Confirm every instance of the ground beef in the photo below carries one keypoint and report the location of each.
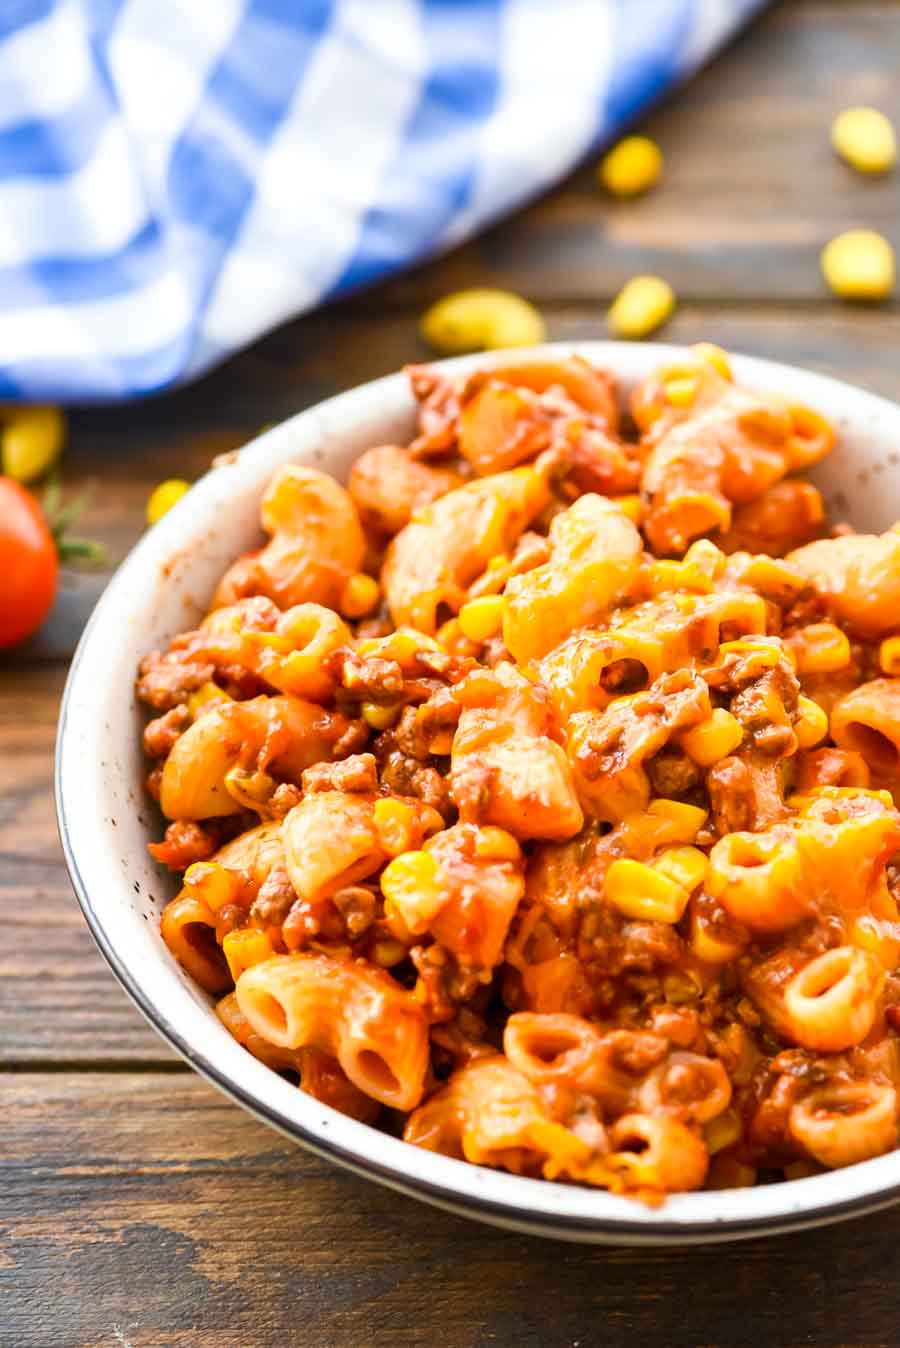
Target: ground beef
(164, 681)
(357, 773)
(160, 735)
(276, 895)
(730, 786)
(406, 776)
(672, 773)
(185, 842)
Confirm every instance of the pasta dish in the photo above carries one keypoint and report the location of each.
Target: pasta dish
(534, 792)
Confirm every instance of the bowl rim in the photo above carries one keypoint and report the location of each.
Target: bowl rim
(520, 1203)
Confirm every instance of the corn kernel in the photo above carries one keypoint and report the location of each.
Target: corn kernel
(685, 866)
(163, 497)
(889, 656)
(378, 717)
(642, 893)
(631, 167)
(244, 948)
(395, 824)
(31, 441)
(801, 1170)
(403, 645)
(726, 1172)
(212, 883)
(482, 618)
(411, 892)
(453, 639)
(822, 648)
(498, 562)
(481, 320)
(641, 306)
(681, 392)
(673, 821)
(812, 725)
(859, 265)
(207, 695)
(630, 506)
(713, 739)
(710, 946)
(361, 594)
(865, 139)
(495, 844)
(713, 355)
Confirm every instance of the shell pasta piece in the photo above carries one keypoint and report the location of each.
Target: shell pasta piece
(537, 793)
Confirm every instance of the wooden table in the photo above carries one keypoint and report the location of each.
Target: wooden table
(139, 1207)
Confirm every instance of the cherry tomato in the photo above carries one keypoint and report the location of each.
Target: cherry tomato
(28, 564)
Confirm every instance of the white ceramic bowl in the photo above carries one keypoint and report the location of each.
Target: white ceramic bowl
(106, 820)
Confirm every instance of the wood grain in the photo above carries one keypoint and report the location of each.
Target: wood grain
(149, 1211)
(751, 191)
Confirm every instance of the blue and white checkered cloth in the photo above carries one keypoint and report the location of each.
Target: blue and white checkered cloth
(178, 176)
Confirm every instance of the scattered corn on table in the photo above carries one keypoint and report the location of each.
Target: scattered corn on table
(141, 1208)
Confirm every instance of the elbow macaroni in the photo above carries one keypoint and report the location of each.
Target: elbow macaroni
(569, 830)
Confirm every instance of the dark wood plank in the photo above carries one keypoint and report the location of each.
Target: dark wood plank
(58, 1000)
(751, 189)
(147, 1210)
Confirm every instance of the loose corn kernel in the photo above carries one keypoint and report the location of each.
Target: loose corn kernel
(812, 725)
(642, 893)
(822, 648)
(630, 506)
(641, 306)
(453, 639)
(686, 866)
(865, 139)
(722, 1131)
(31, 441)
(212, 883)
(681, 392)
(481, 320)
(378, 717)
(482, 618)
(673, 821)
(889, 655)
(801, 1170)
(495, 844)
(361, 594)
(709, 946)
(207, 695)
(244, 948)
(412, 894)
(713, 355)
(727, 1172)
(631, 167)
(395, 824)
(498, 562)
(859, 265)
(713, 739)
(408, 870)
(163, 497)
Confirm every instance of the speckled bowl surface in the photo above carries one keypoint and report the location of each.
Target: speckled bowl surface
(106, 820)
